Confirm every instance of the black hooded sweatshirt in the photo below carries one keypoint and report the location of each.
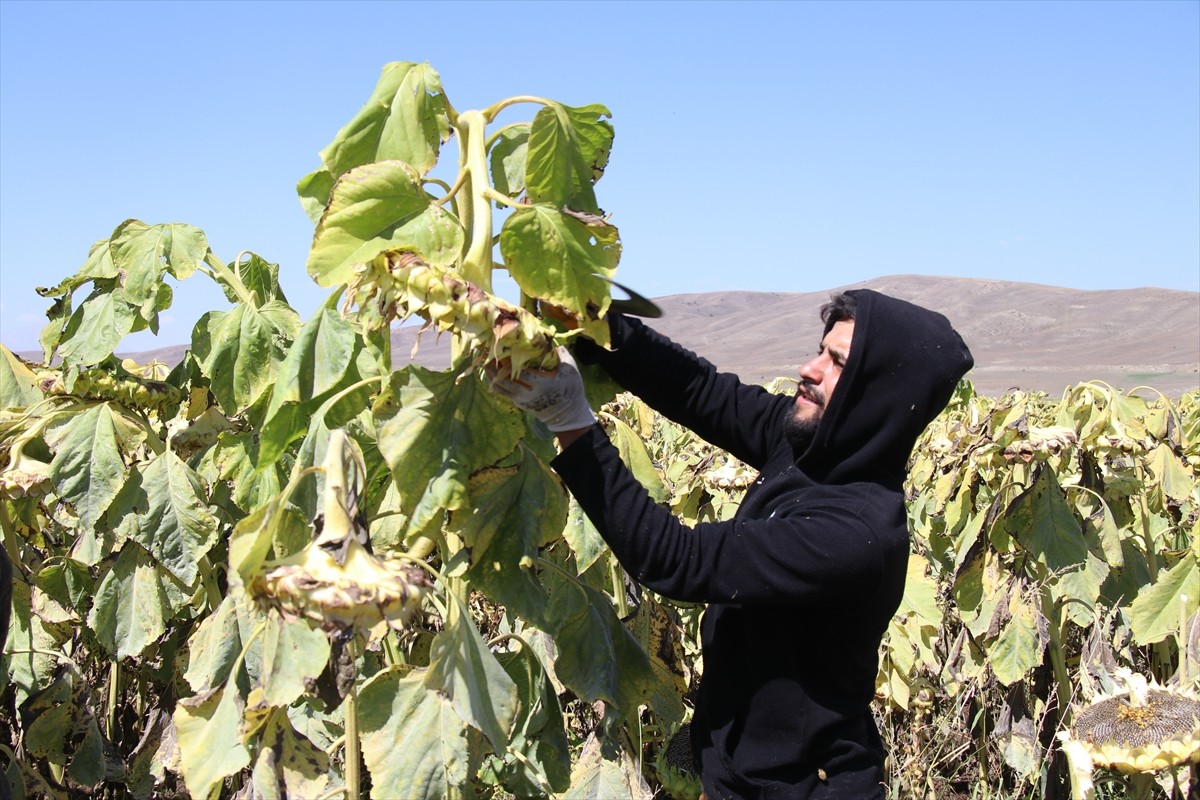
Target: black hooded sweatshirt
(802, 583)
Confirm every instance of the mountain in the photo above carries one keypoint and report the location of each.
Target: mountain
(1022, 335)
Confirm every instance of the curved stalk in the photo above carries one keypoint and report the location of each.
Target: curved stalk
(477, 264)
(493, 110)
(222, 274)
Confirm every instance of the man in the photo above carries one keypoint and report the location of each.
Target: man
(802, 583)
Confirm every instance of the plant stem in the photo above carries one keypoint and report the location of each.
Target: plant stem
(114, 696)
(222, 274)
(618, 583)
(477, 264)
(353, 746)
(1062, 676)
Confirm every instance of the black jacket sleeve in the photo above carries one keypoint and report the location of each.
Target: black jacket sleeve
(817, 549)
(741, 419)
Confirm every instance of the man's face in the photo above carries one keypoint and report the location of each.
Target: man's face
(818, 379)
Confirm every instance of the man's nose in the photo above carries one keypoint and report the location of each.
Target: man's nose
(809, 371)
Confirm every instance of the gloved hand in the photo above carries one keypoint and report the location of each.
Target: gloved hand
(556, 396)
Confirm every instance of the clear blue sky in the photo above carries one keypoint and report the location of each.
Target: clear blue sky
(763, 146)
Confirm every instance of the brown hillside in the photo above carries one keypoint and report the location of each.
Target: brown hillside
(1022, 335)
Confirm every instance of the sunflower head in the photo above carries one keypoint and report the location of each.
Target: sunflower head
(1143, 728)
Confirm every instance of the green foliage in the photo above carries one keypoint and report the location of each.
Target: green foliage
(1053, 541)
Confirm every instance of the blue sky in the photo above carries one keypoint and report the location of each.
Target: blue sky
(778, 146)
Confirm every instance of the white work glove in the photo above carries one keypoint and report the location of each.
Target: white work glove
(556, 396)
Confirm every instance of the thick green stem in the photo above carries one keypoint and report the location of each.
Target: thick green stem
(223, 274)
(209, 579)
(114, 697)
(353, 745)
(1058, 660)
(477, 265)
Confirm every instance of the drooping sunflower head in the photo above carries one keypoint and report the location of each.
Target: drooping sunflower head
(1145, 728)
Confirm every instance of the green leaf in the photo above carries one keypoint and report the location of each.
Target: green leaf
(598, 658)
(320, 361)
(568, 152)
(97, 327)
(378, 207)
(213, 649)
(69, 583)
(605, 772)
(466, 673)
(87, 469)
(255, 535)
(293, 653)
(413, 742)
(436, 430)
(207, 727)
(506, 159)
(405, 119)
(538, 732)
(145, 253)
(288, 763)
(314, 189)
(581, 535)
(239, 351)
(514, 511)
(658, 635)
(235, 459)
(557, 256)
(258, 276)
(1156, 610)
(163, 507)
(633, 453)
(1174, 485)
(1020, 645)
(133, 603)
(31, 668)
(18, 383)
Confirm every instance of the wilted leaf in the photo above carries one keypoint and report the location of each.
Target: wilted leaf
(87, 469)
(443, 430)
(1019, 646)
(320, 361)
(404, 119)
(604, 772)
(18, 384)
(506, 159)
(463, 669)
(288, 764)
(377, 207)
(538, 731)
(568, 152)
(1157, 607)
(414, 744)
(133, 603)
(210, 742)
(239, 350)
(214, 647)
(293, 653)
(514, 511)
(163, 507)
(144, 254)
(598, 658)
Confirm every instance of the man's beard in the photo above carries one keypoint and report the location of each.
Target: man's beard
(800, 432)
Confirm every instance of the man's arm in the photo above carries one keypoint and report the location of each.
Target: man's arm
(744, 420)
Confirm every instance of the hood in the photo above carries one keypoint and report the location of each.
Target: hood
(905, 362)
